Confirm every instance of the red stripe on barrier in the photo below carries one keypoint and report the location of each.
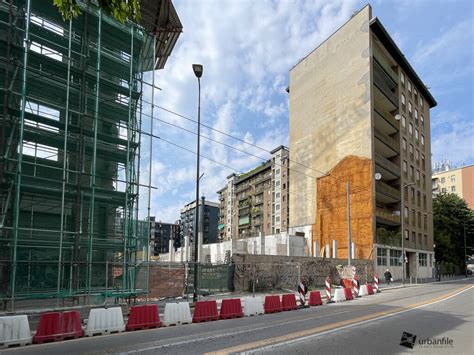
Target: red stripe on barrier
(288, 302)
(370, 290)
(315, 298)
(143, 317)
(272, 304)
(348, 294)
(205, 311)
(231, 308)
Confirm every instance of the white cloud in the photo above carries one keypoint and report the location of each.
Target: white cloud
(453, 137)
(247, 49)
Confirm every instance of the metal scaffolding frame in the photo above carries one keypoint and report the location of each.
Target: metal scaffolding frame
(70, 153)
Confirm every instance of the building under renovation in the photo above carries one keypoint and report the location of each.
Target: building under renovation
(70, 138)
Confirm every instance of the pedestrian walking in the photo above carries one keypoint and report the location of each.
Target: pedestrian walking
(388, 277)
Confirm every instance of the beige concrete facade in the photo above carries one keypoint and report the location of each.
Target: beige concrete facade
(457, 180)
(329, 111)
(356, 95)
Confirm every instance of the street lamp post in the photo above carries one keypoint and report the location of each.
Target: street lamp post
(198, 70)
(402, 219)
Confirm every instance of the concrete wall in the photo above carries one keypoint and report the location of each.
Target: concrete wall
(281, 272)
(330, 112)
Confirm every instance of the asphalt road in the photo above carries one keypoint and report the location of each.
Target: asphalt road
(372, 324)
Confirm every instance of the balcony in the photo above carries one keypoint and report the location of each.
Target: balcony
(386, 217)
(386, 193)
(390, 169)
(384, 63)
(386, 145)
(386, 122)
(385, 84)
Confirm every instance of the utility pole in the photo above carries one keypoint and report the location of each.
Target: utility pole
(348, 192)
(465, 251)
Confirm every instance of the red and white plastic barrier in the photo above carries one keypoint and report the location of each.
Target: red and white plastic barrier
(376, 283)
(328, 289)
(355, 282)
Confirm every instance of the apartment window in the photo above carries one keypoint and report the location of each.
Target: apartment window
(277, 171)
(413, 236)
(453, 178)
(443, 180)
(284, 186)
(410, 129)
(417, 155)
(407, 234)
(409, 86)
(418, 176)
(277, 184)
(277, 195)
(402, 78)
(443, 190)
(411, 150)
(421, 101)
(405, 213)
(416, 115)
(395, 257)
(417, 135)
(412, 172)
(423, 161)
(453, 188)
(404, 121)
(277, 219)
(415, 92)
(381, 257)
(419, 221)
(422, 140)
(412, 192)
(403, 99)
(425, 222)
(422, 259)
(413, 217)
(277, 207)
(419, 239)
(418, 198)
(404, 144)
(410, 108)
(422, 120)
(405, 166)
(424, 202)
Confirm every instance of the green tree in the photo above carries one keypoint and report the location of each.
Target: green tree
(450, 215)
(120, 9)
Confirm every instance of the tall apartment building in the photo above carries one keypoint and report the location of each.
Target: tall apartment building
(359, 111)
(256, 203)
(460, 181)
(210, 217)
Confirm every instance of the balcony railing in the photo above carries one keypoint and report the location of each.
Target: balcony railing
(380, 58)
(389, 141)
(385, 83)
(387, 190)
(388, 215)
(386, 164)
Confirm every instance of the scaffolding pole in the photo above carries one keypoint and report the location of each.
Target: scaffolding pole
(66, 131)
(94, 158)
(16, 209)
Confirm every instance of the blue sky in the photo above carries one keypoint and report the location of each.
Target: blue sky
(247, 48)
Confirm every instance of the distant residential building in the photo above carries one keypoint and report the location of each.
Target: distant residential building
(256, 202)
(160, 235)
(459, 180)
(210, 215)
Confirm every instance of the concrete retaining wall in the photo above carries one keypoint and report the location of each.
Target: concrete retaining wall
(280, 272)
